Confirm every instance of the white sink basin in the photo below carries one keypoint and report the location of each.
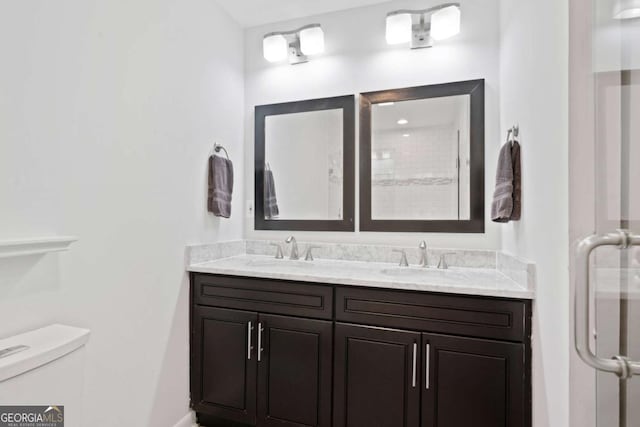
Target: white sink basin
(278, 263)
(417, 272)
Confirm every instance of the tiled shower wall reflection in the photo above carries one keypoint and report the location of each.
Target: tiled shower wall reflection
(418, 174)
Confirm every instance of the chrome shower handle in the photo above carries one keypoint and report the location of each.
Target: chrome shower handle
(618, 365)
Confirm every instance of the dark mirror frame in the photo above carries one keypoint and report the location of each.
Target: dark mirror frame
(347, 104)
(474, 88)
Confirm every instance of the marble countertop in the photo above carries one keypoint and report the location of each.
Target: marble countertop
(456, 280)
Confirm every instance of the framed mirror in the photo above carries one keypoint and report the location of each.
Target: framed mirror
(422, 159)
(305, 165)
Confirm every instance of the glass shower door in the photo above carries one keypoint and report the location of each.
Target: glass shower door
(608, 263)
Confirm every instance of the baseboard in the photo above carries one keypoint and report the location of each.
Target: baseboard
(188, 420)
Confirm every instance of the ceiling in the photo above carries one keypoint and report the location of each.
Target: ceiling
(252, 13)
(420, 113)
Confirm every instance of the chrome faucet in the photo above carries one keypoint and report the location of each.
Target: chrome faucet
(403, 257)
(424, 261)
(294, 248)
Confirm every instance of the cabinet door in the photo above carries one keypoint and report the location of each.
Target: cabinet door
(472, 382)
(376, 378)
(223, 370)
(294, 371)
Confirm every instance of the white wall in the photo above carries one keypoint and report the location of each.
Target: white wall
(534, 94)
(108, 111)
(357, 59)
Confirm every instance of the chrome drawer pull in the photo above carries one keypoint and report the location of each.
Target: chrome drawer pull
(427, 380)
(415, 364)
(260, 329)
(249, 347)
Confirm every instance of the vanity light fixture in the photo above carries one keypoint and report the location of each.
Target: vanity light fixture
(296, 45)
(403, 121)
(421, 27)
(626, 9)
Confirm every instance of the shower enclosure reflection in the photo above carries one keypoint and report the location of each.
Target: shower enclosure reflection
(420, 159)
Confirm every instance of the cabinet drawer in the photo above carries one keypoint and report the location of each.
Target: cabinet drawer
(471, 316)
(263, 295)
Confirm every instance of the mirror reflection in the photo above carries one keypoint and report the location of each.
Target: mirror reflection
(420, 151)
(303, 166)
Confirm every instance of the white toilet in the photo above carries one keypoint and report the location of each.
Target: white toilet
(45, 367)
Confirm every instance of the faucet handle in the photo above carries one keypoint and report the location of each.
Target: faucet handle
(279, 252)
(309, 254)
(424, 260)
(443, 260)
(403, 257)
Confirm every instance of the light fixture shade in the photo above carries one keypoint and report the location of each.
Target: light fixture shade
(626, 9)
(312, 41)
(445, 23)
(398, 28)
(274, 48)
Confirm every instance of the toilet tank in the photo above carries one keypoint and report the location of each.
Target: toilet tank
(45, 367)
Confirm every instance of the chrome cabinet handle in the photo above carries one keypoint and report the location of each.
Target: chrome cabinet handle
(427, 379)
(618, 365)
(260, 329)
(249, 347)
(415, 365)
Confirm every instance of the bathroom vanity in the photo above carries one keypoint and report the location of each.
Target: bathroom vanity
(340, 343)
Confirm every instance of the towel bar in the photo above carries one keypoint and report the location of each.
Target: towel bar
(515, 131)
(217, 147)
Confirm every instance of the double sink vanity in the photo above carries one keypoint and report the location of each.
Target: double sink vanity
(352, 339)
(349, 335)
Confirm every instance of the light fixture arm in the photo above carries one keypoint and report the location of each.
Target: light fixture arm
(293, 43)
(421, 23)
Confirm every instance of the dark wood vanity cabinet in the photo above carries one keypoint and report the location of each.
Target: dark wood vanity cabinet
(252, 367)
(375, 381)
(294, 372)
(274, 353)
(223, 373)
(473, 382)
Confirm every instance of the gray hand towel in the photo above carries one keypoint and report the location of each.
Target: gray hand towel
(220, 186)
(270, 202)
(517, 182)
(502, 205)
